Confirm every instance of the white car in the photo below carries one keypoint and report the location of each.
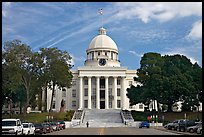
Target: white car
(28, 129)
(12, 126)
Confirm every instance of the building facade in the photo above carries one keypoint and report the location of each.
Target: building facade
(101, 83)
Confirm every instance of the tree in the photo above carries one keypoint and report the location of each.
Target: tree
(22, 66)
(56, 69)
(167, 79)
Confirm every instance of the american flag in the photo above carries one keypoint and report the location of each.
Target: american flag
(100, 11)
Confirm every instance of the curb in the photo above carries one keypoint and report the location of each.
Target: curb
(166, 130)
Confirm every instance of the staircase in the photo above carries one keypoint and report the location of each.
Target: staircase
(102, 118)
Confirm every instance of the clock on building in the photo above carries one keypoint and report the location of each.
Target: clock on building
(102, 62)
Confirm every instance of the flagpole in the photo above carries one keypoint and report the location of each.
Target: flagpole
(101, 13)
(102, 19)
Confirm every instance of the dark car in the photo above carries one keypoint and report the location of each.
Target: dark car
(55, 126)
(182, 125)
(48, 127)
(144, 124)
(62, 124)
(193, 129)
(40, 129)
(168, 126)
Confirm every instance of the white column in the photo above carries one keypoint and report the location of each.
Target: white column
(123, 93)
(97, 93)
(106, 93)
(115, 93)
(89, 92)
(81, 93)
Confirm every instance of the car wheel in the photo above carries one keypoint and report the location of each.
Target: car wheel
(191, 130)
(182, 129)
(16, 133)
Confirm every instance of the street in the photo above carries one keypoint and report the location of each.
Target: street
(111, 131)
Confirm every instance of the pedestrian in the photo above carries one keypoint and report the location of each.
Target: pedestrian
(87, 124)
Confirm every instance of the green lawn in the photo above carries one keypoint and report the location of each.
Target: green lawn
(42, 117)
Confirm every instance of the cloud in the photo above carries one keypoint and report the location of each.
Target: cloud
(5, 7)
(161, 11)
(196, 31)
(135, 54)
(181, 51)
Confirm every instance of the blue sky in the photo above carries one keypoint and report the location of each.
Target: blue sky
(136, 27)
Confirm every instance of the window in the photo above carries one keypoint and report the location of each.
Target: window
(74, 103)
(86, 82)
(86, 103)
(86, 92)
(106, 53)
(73, 83)
(74, 93)
(140, 106)
(110, 104)
(53, 104)
(118, 81)
(118, 91)
(98, 53)
(118, 103)
(110, 91)
(94, 91)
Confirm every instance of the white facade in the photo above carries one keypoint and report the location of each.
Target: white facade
(101, 83)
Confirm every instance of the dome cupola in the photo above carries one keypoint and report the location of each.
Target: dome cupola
(102, 51)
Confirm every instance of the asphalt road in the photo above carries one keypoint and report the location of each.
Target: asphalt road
(111, 131)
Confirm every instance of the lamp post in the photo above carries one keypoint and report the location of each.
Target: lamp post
(10, 106)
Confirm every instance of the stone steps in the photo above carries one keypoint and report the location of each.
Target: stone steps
(102, 118)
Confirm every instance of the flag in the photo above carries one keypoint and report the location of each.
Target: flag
(100, 11)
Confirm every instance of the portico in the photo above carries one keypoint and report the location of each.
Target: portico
(101, 91)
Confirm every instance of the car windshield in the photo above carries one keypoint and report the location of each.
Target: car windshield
(62, 122)
(25, 125)
(38, 125)
(8, 123)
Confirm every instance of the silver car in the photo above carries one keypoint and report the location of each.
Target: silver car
(199, 130)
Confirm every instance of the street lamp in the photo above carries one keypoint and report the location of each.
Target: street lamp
(10, 101)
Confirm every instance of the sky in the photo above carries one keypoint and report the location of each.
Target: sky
(137, 28)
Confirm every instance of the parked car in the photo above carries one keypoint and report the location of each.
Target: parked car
(168, 126)
(61, 124)
(182, 125)
(48, 127)
(175, 124)
(144, 124)
(12, 126)
(40, 128)
(28, 129)
(193, 129)
(55, 126)
(200, 130)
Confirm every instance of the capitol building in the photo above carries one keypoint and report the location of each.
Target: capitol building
(100, 84)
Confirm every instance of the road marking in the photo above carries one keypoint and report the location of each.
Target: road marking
(101, 131)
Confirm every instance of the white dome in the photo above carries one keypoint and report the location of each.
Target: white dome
(102, 41)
